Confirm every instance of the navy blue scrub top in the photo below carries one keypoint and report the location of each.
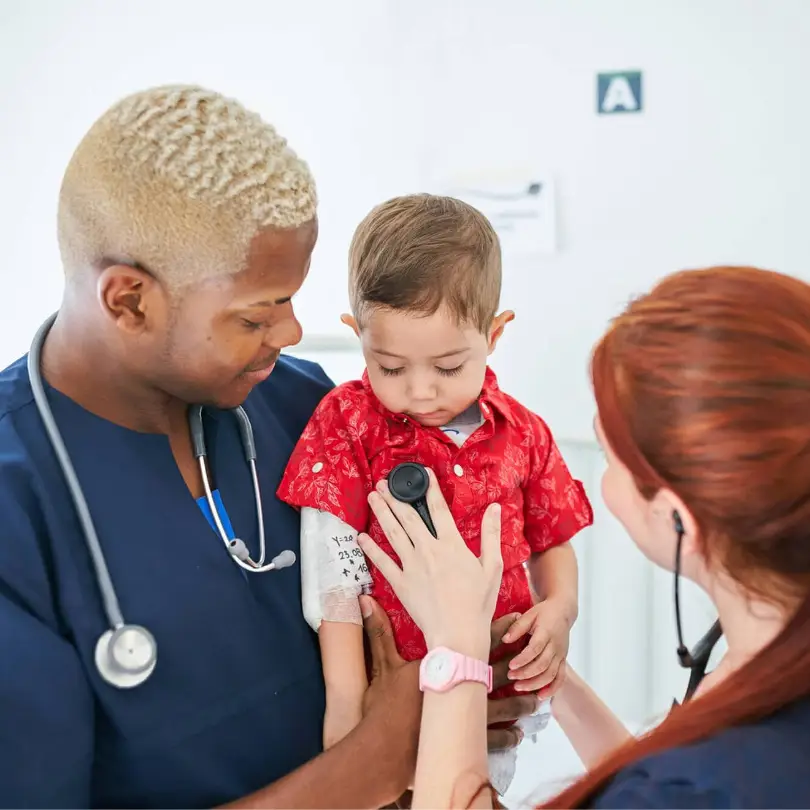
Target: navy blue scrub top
(237, 699)
(764, 764)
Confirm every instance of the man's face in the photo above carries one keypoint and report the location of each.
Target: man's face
(225, 335)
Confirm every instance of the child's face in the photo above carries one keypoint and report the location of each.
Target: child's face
(427, 367)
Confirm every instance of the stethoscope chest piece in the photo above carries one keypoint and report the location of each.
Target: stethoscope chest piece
(126, 656)
(408, 482)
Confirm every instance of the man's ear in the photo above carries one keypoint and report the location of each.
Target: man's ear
(127, 295)
(351, 322)
(498, 325)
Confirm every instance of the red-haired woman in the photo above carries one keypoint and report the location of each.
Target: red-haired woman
(702, 389)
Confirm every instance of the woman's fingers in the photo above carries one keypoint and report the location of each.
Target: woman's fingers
(408, 518)
(391, 526)
(386, 566)
(491, 554)
(439, 511)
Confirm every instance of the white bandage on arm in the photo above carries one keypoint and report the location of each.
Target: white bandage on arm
(334, 571)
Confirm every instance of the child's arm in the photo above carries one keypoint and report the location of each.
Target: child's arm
(344, 673)
(328, 479)
(333, 574)
(553, 575)
(555, 509)
(591, 727)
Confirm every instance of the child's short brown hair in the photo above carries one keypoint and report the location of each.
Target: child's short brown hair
(422, 251)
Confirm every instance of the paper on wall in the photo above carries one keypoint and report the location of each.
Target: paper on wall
(521, 209)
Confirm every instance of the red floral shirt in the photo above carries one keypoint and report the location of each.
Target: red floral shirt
(352, 442)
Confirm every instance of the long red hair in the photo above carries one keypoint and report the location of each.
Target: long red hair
(703, 387)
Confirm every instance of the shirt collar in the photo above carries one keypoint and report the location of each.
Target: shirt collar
(491, 395)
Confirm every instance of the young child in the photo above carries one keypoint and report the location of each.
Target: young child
(424, 283)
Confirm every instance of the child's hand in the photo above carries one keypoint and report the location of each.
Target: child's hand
(541, 665)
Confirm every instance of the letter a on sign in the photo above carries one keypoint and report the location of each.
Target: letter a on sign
(618, 92)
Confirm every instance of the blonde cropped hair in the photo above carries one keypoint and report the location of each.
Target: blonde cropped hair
(178, 180)
(421, 252)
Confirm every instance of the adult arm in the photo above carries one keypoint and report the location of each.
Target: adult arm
(340, 777)
(451, 595)
(46, 706)
(591, 727)
(47, 714)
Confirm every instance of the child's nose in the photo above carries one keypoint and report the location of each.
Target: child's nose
(422, 387)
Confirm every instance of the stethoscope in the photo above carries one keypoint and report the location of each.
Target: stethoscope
(697, 660)
(126, 654)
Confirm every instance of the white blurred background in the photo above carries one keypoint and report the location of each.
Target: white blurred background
(390, 96)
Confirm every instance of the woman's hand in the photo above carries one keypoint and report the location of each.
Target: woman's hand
(448, 591)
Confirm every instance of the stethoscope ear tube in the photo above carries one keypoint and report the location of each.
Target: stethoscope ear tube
(126, 655)
(108, 595)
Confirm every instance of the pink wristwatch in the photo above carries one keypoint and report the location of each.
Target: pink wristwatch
(442, 669)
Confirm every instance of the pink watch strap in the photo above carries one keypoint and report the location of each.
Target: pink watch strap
(478, 671)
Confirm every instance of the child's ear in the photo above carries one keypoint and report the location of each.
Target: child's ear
(498, 325)
(350, 322)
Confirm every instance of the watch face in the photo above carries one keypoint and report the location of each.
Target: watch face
(439, 668)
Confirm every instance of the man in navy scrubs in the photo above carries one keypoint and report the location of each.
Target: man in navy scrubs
(186, 225)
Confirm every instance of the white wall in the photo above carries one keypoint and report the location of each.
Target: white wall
(384, 97)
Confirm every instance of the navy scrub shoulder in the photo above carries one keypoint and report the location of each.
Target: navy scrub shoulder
(763, 764)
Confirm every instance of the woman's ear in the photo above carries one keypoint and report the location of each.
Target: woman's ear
(677, 518)
(350, 321)
(498, 325)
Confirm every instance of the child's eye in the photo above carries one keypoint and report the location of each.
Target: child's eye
(390, 372)
(251, 325)
(450, 372)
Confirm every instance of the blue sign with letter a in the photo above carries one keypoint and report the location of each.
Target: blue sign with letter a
(619, 92)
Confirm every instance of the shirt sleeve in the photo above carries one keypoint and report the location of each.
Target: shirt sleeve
(46, 703)
(328, 469)
(555, 504)
(635, 788)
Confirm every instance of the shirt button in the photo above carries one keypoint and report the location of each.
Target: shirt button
(458, 470)
(316, 468)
